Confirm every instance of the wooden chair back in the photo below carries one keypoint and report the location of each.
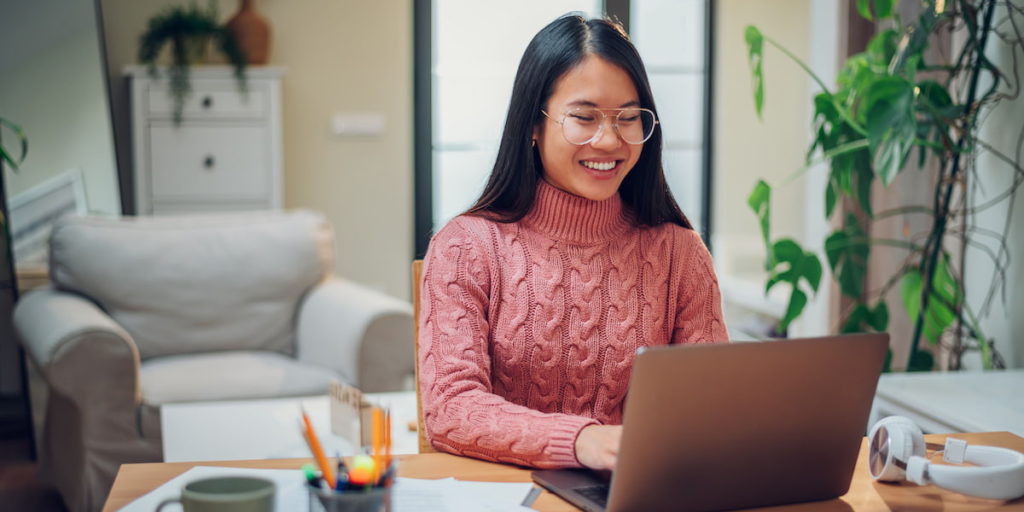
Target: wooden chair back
(417, 283)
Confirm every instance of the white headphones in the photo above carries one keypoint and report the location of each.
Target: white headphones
(897, 452)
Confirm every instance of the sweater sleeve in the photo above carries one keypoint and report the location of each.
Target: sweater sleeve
(461, 413)
(699, 316)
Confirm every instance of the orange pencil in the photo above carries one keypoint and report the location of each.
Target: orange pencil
(376, 438)
(318, 451)
(387, 438)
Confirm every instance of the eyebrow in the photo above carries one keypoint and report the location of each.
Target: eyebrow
(585, 103)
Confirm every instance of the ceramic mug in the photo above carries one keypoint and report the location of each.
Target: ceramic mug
(225, 494)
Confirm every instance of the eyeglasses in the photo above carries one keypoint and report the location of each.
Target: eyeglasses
(583, 125)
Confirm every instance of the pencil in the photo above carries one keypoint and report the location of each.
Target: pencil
(318, 451)
(376, 438)
(387, 437)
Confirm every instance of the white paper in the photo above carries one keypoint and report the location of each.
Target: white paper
(290, 492)
(449, 494)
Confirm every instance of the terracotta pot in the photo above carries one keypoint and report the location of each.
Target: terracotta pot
(252, 32)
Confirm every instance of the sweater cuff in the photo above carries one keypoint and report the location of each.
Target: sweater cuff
(562, 450)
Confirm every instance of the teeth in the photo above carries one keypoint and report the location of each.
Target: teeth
(599, 166)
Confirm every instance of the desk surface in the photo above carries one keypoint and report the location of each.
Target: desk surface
(134, 480)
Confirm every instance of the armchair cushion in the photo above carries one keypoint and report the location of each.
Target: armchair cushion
(235, 375)
(184, 285)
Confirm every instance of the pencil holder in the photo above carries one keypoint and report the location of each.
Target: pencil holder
(376, 499)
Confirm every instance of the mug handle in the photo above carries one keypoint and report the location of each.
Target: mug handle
(166, 502)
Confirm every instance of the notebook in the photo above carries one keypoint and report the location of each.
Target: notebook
(725, 426)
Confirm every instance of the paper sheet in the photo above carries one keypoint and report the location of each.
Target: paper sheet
(449, 494)
(409, 494)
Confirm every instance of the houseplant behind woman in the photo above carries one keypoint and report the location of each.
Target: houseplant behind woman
(576, 254)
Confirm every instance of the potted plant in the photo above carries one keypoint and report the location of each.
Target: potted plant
(891, 101)
(188, 30)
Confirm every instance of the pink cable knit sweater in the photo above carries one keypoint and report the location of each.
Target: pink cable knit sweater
(528, 330)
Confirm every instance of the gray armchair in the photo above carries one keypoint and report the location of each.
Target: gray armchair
(149, 311)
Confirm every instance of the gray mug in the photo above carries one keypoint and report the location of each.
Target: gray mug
(226, 494)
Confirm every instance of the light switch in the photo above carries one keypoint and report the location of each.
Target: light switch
(357, 123)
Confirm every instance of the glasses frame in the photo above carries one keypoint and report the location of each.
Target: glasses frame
(600, 129)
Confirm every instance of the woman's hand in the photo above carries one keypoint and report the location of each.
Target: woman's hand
(597, 446)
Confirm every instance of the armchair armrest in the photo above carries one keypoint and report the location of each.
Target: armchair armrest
(364, 335)
(80, 350)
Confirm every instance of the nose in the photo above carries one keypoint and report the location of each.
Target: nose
(608, 137)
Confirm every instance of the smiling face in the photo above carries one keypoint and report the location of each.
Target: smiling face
(596, 169)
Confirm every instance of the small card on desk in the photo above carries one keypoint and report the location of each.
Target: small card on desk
(346, 402)
(351, 415)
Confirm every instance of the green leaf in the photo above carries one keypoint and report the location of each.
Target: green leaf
(830, 199)
(866, 319)
(864, 9)
(945, 295)
(879, 318)
(890, 123)
(811, 266)
(847, 251)
(910, 292)
(887, 365)
(863, 177)
(883, 46)
(797, 301)
(20, 135)
(855, 322)
(882, 9)
(760, 202)
(755, 57)
(921, 361)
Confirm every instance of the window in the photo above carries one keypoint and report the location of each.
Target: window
(466, 55)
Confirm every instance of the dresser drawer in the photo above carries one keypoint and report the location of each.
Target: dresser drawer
(203, 163)
(218, 99)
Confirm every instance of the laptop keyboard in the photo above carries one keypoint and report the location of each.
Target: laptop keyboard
(596, 493)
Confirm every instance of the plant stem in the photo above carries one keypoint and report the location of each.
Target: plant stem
(934, 244)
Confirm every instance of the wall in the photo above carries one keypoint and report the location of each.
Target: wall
(747, 149)
(340, 56)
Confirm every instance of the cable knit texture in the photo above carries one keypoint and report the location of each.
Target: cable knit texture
(528, 330)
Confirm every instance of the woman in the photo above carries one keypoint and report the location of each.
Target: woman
(535, 301)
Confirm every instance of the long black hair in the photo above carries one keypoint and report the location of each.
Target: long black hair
(555, 50)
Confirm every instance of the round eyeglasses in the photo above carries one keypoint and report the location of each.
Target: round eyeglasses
(583, 125)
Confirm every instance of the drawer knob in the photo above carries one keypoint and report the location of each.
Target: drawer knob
(207, 102)
(209, 162)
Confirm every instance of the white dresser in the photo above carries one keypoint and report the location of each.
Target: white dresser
(226, 153)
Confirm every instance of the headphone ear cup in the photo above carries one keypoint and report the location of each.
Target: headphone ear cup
(900, 440)
(916, 444)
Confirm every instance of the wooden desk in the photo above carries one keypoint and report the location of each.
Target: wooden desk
(134, 480)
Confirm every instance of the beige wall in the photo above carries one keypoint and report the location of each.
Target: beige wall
(747, 149)
(340, 56)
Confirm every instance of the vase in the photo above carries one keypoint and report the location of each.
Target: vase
(252, 32)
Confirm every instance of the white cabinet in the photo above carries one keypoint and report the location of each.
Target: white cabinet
(226, 153)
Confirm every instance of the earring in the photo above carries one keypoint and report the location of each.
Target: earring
(533, 142)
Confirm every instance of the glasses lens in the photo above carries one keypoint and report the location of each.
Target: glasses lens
(634, 125)
(581, 124)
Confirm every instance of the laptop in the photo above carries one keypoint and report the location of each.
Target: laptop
(726, 426)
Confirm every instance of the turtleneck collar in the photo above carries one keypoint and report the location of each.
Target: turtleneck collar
(570, 218)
